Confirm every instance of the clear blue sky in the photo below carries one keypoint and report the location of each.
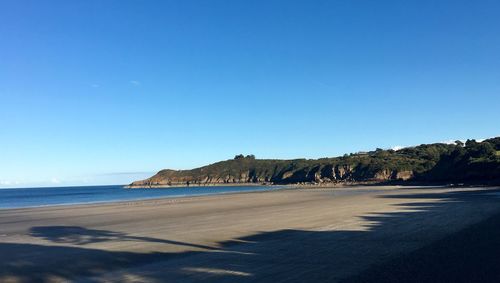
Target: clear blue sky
(100, 92)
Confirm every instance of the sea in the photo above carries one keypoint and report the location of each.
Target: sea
(52, 196)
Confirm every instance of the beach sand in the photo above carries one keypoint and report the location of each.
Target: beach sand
(295, 235)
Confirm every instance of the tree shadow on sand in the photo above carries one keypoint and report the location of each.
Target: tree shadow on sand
(277, 256)
(82, 236)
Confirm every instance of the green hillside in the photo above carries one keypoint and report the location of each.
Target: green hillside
(472, 162)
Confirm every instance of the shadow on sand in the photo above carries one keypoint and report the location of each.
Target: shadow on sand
(285, 255)
(82, 236)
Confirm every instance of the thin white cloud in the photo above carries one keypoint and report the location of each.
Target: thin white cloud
(127, 173)
(450, 141)
(135, 83)
(9, 183)
(55, 181)
(95, 85)
(453, 141)
(323, 84)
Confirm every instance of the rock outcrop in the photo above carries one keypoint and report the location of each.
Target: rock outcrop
(241, 171)
(472, 162)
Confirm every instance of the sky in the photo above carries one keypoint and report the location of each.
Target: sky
(107, 92)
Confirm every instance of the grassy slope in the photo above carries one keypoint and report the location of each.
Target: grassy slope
(475, 162)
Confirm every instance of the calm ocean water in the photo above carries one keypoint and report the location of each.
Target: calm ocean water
(33, 197)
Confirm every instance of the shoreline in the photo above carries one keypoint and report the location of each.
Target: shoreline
(305, 185)
(169, 199)
(322, 185)
(145, 199)
(130, 186)
(308, 187)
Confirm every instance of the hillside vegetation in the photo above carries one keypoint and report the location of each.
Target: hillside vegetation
(472, 162)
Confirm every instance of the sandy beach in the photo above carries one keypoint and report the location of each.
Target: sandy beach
(296, 235)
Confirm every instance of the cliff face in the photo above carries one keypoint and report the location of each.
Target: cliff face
(269, 172)
(476, 162)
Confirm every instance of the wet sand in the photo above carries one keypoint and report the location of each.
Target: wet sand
(303, 235)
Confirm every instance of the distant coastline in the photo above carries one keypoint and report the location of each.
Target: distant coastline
(472, 162)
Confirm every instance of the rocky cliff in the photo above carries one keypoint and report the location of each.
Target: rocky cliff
(254, 171)
(477, 162)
